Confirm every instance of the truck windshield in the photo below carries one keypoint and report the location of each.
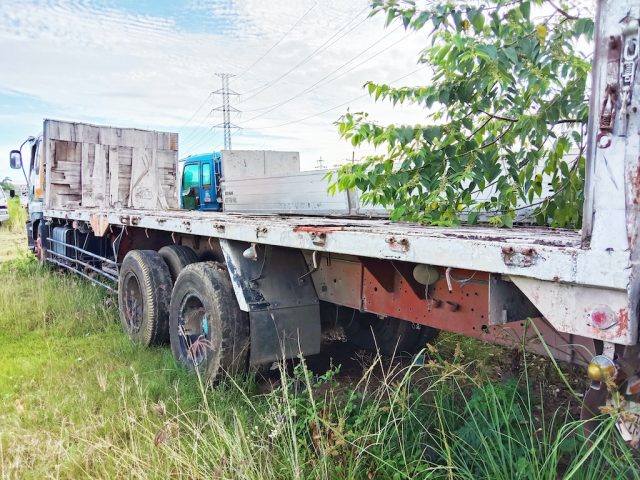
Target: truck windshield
(190, 176)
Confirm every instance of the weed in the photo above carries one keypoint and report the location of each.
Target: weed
(79, 400)
(17, 215)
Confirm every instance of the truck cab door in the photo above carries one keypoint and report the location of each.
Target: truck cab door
(190, 188)
(207, 190)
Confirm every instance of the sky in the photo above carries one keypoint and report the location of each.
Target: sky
(298, 66)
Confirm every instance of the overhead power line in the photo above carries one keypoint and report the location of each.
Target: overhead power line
(195, 113)
(322, 47)
(297, 22)
(317, 84)
(308, 117)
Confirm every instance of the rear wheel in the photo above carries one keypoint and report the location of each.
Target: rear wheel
(208, 331)
(144, 290)
(177, 257)
(387, 335)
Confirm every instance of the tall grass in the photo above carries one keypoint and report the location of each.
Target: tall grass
(438, 421)
(17, 215)
(79, 401)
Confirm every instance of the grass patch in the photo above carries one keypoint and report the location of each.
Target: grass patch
(78, 400)
(17, 215)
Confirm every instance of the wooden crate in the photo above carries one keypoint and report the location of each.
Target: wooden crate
(98, 166)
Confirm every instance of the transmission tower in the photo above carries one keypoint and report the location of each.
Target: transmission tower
(226, 108)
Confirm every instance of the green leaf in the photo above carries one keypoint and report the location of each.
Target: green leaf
(477, 20)
(431, 133)
(511, 54)
(489, 52)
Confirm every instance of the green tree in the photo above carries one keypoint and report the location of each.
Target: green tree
(7, 184)
(504, 107)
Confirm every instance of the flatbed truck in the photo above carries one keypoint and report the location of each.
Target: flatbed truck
(232, 289)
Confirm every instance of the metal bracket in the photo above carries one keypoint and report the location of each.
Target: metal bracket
(608, 108)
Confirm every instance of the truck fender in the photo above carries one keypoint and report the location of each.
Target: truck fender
(271, 284)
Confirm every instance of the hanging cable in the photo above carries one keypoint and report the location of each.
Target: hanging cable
(279, 41)
(332, 108)
(318, 84)
(321, 48)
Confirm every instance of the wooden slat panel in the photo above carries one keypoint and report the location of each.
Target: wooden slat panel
(110, 167)
(114, 180)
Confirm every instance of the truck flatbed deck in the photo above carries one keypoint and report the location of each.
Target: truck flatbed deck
(541, 253)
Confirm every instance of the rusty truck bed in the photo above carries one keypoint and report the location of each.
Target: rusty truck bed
(541, 253)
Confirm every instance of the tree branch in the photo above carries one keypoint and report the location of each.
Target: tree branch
(562, 12)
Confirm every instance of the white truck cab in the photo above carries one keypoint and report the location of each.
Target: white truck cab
(35, 179)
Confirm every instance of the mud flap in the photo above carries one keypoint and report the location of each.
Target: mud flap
(271, 283)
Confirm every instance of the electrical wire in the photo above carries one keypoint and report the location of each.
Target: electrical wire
(321, 48)
(279, 41)
(198, 138)
(194, 132)
(300, 120)
(195, 113)
(318, 84)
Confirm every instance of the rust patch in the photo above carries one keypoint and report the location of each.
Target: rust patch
(623, 323)
(635, 183)
(519, 256)
(397, 244)
(318, 234)
(301, 228)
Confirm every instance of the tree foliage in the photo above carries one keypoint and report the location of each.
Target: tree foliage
(504, 106)
(7, 184)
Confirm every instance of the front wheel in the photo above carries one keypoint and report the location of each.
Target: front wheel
(42, 242)
(207, 329)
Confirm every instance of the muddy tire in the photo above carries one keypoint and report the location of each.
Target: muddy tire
(144, 290)
(207, 329)
(41, 242)
(389, 335)
(177, 257)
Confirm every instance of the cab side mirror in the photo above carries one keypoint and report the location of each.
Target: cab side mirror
(15, 159)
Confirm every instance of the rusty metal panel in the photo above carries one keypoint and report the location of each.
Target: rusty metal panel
(465, 305)
(339, 280)
(462, 310)
(576, 309)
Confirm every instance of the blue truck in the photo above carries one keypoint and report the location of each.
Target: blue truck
(200, 186)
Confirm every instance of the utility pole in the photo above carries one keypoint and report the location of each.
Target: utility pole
(320, 163)
(226, 108)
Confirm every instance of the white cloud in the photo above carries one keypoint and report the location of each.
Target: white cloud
(88, 61)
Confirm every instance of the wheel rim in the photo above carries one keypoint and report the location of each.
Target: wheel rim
(132, 297)
(193, 330)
